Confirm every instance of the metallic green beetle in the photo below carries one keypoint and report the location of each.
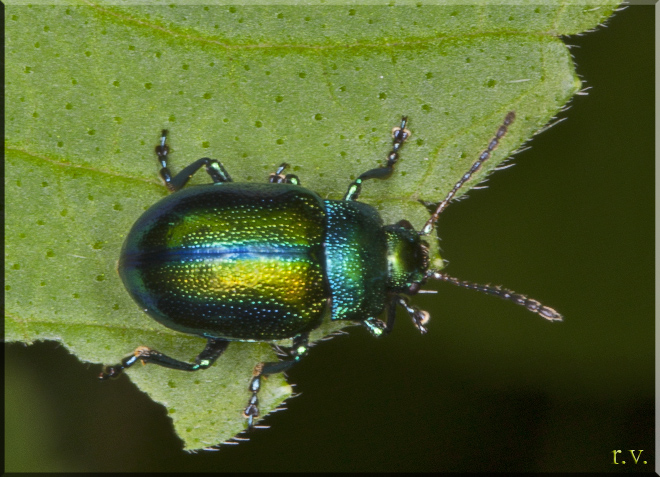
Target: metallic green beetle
(260, 262)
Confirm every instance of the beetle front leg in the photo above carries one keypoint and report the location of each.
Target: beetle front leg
(420, 318)
(399, 135)
(214, 168)
(297, 351)
(214, 348)
(379, 328)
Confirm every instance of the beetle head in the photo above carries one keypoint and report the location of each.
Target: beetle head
(407, 257)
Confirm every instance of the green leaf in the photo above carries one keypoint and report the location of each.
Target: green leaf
(89, 87)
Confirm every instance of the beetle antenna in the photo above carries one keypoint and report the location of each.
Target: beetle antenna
(483, 157)
(532, 305)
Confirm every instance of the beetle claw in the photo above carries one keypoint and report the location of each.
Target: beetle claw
(251, 410)
(421, 318)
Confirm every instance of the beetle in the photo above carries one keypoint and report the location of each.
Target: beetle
(262, 262)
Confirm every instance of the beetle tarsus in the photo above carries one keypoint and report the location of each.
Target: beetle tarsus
(420, 318)
(298, 349)
(399, 136)
(251, 410)
(214, 168)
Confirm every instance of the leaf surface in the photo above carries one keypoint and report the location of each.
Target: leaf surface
(90, 86)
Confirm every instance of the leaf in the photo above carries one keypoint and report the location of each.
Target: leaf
(89, 87)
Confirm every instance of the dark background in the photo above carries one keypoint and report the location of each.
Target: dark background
(491, 387)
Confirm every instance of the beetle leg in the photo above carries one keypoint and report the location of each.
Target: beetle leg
(214, 348)
(214, 168)
(399, 135)
(279, 178)
(379, 328)
(297, 351)
(419, 317)
(376, 327)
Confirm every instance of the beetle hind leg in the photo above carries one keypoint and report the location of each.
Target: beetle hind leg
(214, 348)
(297, 351)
